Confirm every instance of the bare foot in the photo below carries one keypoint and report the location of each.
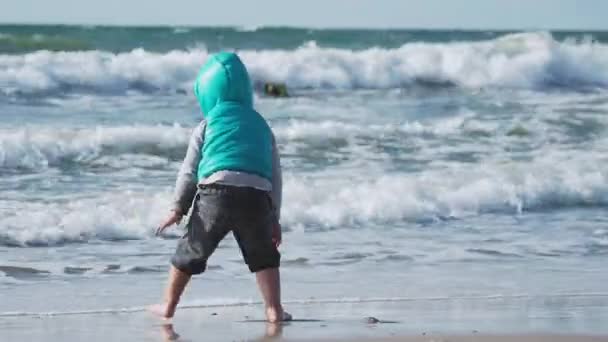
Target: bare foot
(273, 330)
(168, 333)
(162, 310)
(275, 316)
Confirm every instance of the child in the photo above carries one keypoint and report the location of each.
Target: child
(231, 176)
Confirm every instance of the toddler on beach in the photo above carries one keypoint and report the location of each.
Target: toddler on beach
(231, 176)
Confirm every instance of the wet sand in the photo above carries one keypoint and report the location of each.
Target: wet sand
(483, 338)
(425, 321)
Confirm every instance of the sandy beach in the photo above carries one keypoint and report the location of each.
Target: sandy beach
(486, 338)
(455, 320)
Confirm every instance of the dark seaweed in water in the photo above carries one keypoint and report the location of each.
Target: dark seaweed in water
(18, 272)
(76, 270)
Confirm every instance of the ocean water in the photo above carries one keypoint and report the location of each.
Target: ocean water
(419, 167)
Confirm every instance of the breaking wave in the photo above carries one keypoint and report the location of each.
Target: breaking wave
(526, 60)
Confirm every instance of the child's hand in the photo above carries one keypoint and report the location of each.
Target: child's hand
(277, 234)
(173, 218)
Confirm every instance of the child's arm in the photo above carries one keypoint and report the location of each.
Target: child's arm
(277, 179)
(185, 185)
(277, 192)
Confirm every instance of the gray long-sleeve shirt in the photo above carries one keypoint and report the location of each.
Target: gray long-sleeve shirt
(187, 184)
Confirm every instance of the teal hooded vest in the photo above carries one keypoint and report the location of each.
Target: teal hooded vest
(237, 138)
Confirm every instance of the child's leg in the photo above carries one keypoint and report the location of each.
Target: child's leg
(177, 283)
(269, 282)
(206, 228)
(255, 217)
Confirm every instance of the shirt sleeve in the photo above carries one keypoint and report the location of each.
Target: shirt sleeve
(186, 183)
(277, 179)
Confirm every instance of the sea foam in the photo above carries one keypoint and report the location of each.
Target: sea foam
(328, 201)
(525, 60)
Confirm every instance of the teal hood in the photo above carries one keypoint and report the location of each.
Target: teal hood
(223, 78)
(236, 137)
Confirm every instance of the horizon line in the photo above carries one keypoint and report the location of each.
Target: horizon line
(298, 27)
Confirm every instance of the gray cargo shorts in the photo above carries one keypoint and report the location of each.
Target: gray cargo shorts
(219, 209)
